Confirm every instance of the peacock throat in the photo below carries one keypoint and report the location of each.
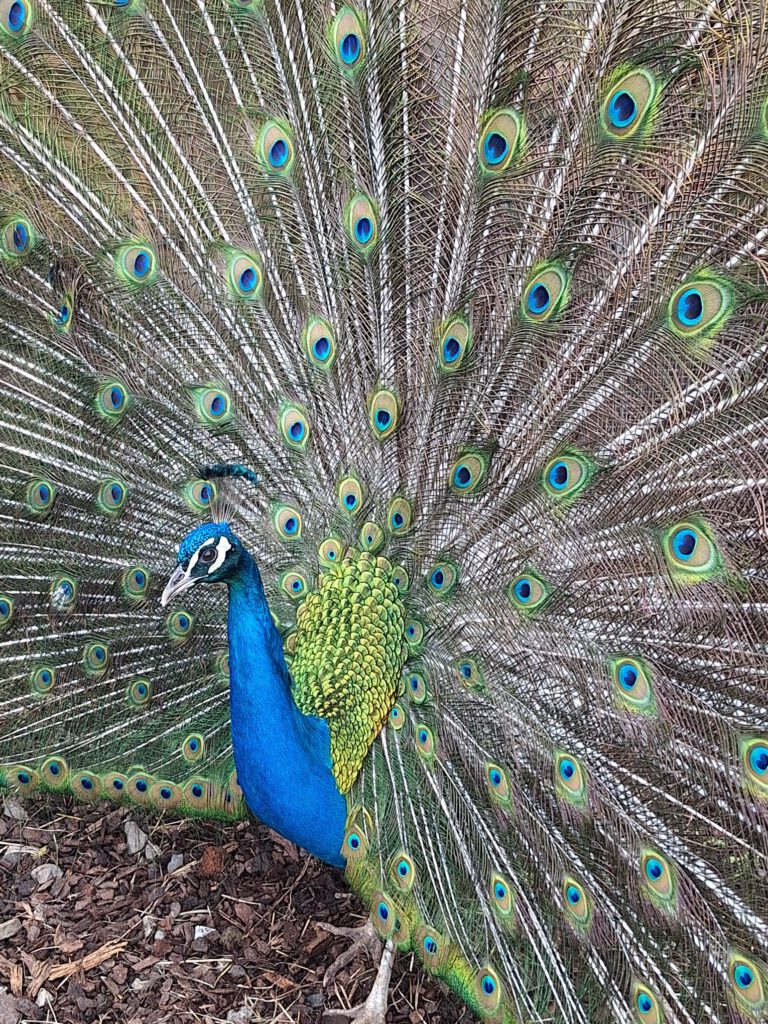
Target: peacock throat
(348, 655)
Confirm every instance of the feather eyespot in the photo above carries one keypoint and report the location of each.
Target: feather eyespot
(348, 39)
(41, 496)
(193, 748)
(135, 583)
(567, 476)
(646, 1004)
(442, 579)
(691, 552)
(414, 632)
(95, 658)
(500, 140)
(546, 293)
(402, 871)
(747, 984)
(6, 611)
(416, 687)
(200, 494)
(287, 522)
(399, 516)
(455, 344)
(63, 318)
(139, 693)
(633, 686)
(294, 427)
(294, 584)
(754, 765)
(488, 989)
(63, 593)
(112, 496)
(577, 903)
(426, 744)
(498, 784)
(467, 473)
(468, 673)
(15, 17)
(700, 306)
(382, 414)
(112, 400)
(136, 264)
(319, 343)
(528, 593)
(629, 106)
(275, 147)
(18, 238)
(42, 680)
(245, 275)
(502, 899)
(362, 223)
(570, 779)
(371, 537)
(54, 772)
(350, 495)
(179, 626)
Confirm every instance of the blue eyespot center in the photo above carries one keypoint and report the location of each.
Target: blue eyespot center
(354, 841)
(523, 590)
(567, 769)
(296, 430)
(403, 868)
(350, 48)
(758, 759)
(451, 349)
(197, 791)
(539, 299)
(247, 280)
(383, 419)
(117, 784)
(116, 397)
(142, 786)
(291, 525)
(397, 519)
(495, 777)
(423, 736)
(116, 493)
(4, 607)
(690, 307)
(17, 15)
(53, 768)
(438, 578)
(558, 476)
(627, 676)
(322, 348)
(278, 154)
(86, 783)
(644, 1003)
(430, 945)
(23, 777)
(218, 405)
(684, 543)
(466, 670)
(499, 891)
(622, 110)
(654, 869)
(363, 229)
(743, 976)
(383, 911)
(20, 232)
(573, 895)
(489, 985)
(44, 493)
(495, 148)
(350, 500)
(462, 478)
(166, 793)
(63, 315)
(141, 264)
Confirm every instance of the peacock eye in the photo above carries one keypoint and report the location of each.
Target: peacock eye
(208, 554)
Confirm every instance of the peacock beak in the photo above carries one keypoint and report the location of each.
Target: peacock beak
(179, 582)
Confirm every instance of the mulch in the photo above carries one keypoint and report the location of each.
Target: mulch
(106, 916)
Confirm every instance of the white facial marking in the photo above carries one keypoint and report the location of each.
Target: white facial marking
(222, 547)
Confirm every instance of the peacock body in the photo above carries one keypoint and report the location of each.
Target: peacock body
(434, 333)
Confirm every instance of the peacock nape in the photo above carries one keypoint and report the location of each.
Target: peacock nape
(300, 738)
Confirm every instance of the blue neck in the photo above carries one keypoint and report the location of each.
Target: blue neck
(282, 757)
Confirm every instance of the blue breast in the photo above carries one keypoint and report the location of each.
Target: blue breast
(282, 757)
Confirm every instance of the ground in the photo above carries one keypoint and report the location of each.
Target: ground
(106, 917)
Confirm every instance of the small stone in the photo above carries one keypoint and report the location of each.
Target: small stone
(241, 1016)
(9, 928)
(201, 931)
(211, 862)
(136, 839)
(176, 861)
(15, 809)
(45, 873)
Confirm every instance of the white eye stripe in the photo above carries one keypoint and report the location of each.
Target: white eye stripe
(222, 547)
(193, 560)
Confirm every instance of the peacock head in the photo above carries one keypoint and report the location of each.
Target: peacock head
(211, 553)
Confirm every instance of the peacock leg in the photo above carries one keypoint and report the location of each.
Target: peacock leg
(374, 1009)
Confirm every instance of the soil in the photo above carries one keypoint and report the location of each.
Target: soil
(106, 916)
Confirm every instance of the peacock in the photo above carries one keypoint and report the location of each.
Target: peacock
(384, 453)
